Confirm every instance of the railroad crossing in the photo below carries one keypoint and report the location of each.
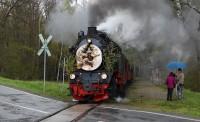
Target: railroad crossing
(21, 106)
(46, 51)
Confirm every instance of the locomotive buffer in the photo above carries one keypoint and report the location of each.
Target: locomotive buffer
(46, 51)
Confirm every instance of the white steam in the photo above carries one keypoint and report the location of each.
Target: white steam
(134, 23)
(159, 28)
(122, 26)
(65, 25)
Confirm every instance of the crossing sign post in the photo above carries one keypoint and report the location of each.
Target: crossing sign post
(46, 51)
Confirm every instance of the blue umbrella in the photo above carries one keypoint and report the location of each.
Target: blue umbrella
(175, 65)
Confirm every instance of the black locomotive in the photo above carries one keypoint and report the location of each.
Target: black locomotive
(100, 70)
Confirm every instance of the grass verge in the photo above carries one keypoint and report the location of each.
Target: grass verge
(189, 106)
(53, 89)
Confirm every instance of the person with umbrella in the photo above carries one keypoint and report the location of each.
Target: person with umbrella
(178, 66)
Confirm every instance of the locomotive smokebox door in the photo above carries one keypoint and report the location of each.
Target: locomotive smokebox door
(92, 31)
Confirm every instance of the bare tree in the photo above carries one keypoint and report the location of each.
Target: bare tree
(195, 39)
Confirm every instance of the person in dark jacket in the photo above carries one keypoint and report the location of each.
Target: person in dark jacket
(171, 83)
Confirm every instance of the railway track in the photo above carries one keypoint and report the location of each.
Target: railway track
(72, 113)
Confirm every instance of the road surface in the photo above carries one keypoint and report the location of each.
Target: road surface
(19, 106)
(114, 114)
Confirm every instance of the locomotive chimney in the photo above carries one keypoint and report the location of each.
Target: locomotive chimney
(92, 31)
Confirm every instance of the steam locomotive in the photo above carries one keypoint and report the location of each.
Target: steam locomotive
(101, 71)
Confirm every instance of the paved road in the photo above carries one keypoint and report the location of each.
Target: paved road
(19, 106)
(109, 114)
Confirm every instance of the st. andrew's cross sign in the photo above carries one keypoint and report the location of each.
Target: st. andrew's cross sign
(44, 49)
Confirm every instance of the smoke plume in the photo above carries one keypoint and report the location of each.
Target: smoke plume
(64, 23)
(139, 22)
(132, 22)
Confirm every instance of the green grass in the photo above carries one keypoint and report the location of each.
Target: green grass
(53, 89)
(189, 106)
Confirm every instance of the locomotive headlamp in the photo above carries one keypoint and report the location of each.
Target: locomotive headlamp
(72, 76)
(89, 40)
(104, 76)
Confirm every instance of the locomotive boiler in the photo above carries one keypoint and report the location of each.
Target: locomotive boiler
(100, 70)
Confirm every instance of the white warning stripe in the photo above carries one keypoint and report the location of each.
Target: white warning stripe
(32, 109)
(147, 112)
